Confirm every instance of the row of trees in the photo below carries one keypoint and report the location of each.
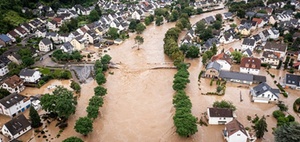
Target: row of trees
(84, 125)
(208, 54)
(59, 55)
(136, 25)
(184, 121)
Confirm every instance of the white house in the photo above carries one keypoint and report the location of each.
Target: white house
(79, 43)
(271, 58)
(52, 25)
(45, 45)
(137, 14)
(235, 132)
(13, 84)
(40, 32)
(274, 34)
(22, 32)
(67, 47)
(248, 43)
(250, 65)
(219, 115)
(224, 60)
(16, 127)
(276, 47)
(29, 75)
(3, 68)
(226, 38)
(263, 93)
(14, 104)
(247, 53)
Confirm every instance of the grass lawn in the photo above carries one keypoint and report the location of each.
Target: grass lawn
(45, 71)
(14, 18)
(81, 23)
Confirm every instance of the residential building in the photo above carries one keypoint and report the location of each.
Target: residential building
(235, 132)
(14, 104)
(20, 31)
(244, 78)
(212, 70)
(247, 53)
(13, 84)
(67, 47)
(30, 76)
(274, 33)
(271, 58)
(250, 65)
(248, 43)
(259, 22)
(292, 81)
(219, 115)
(40, 32)
(79, 43)
(263, 93)
(5, 40)
(45, 45)
(276, 47)
(15, 57)
(3, 68)
(16, 127)
(228, 16)
(224, 60)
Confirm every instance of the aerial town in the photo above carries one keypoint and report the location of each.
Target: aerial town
(150, 70)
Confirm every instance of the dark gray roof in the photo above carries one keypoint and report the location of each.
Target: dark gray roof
(259, 78)
(236, 75)
(220, 112)
(68, 46)
(11, 100)
(214, 65)
(26, 72)
(17, 124)
(228, 14)
(248, 51)
(264, 87)
(249, 41)
(292, 79)
(46, 41)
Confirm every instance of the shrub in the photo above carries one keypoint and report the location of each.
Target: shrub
(282, 107)
(291, 118)
(219, 89)
(278, 113)
(285, 94)
(211, 82)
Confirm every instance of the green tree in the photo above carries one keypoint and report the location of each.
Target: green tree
(237, 56)
(224, 104)
(97, 8)
(184, 48)
(261, 127)
(219, 17)
(92, 111)
(139, 40)
(217, 25)
(214, 49)
(61, 101)
(73, 139)
(288, 133)
(100, 78)
(241, 13)
(288, 37)
(34, 118)
(159, 20)
(149, 19)
(174, 16)
(100, 91)
(132, 25)
(199, 11)
(96, 101)
(113, 33)
(94, 16)
(27, 61)
(193, 52)
(3, 93)
(84, 126)
(278, 113)
(140, 27)
(185, 123)
(204, 58)
(75, 86)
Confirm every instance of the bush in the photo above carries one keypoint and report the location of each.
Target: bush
(291, 118)
(219, 89)
(282, 107)
(278, 113)
(295, 105)
(211, 82)
(285, 94)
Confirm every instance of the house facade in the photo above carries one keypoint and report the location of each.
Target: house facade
(276, 47)
(29, 75)
(78, 43)
(13, 84)
(224, 60)
(16, 127)
(3, 68)
(212, 70)
(14, 104)
(271, 58)
(45, 45)
(263, 93)
(292, 81)
(235, 132)
(218, 116)
(248, 43)
(250, 65)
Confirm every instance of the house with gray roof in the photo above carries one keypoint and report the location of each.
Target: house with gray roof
(16, 127)
(263, 93)
(227, 16)
(219, 115)
(45, 45)
(30, 76)
(14, 104)
(276, 47)
(248, 43)
(292, 81)
(244, 78)
(212, 70)
(67, 47)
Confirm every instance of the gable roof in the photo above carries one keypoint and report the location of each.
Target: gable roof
(46, 41)
(235, 126)
(27, 72)
(248, 51)
(236, 75)
(222, 56)
(271, 55)
(13, 81)
(248, 41)
(17, 124)
(68, 46)
(292, 79)
(250, 62)
(4, 38)
(214, 65)
(13, 34)
(257, 20)
(11, 100)
(220, 112)
(275, 46)
(264, 87)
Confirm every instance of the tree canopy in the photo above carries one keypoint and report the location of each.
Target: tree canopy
(224, 104)
(34, 118)
(73, 139)
(84, 125)
(288, 133)
(261, 127)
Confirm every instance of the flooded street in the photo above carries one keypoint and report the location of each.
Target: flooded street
(138, 106)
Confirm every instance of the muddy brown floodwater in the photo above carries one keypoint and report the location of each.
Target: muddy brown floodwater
(138, 106)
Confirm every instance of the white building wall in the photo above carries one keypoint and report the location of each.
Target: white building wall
(225, 65)
(239, 136)
(249, 70)
(4, 71)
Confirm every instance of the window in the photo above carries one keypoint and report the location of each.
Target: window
(238, 134)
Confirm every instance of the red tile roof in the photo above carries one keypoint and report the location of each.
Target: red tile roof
(250, 62)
